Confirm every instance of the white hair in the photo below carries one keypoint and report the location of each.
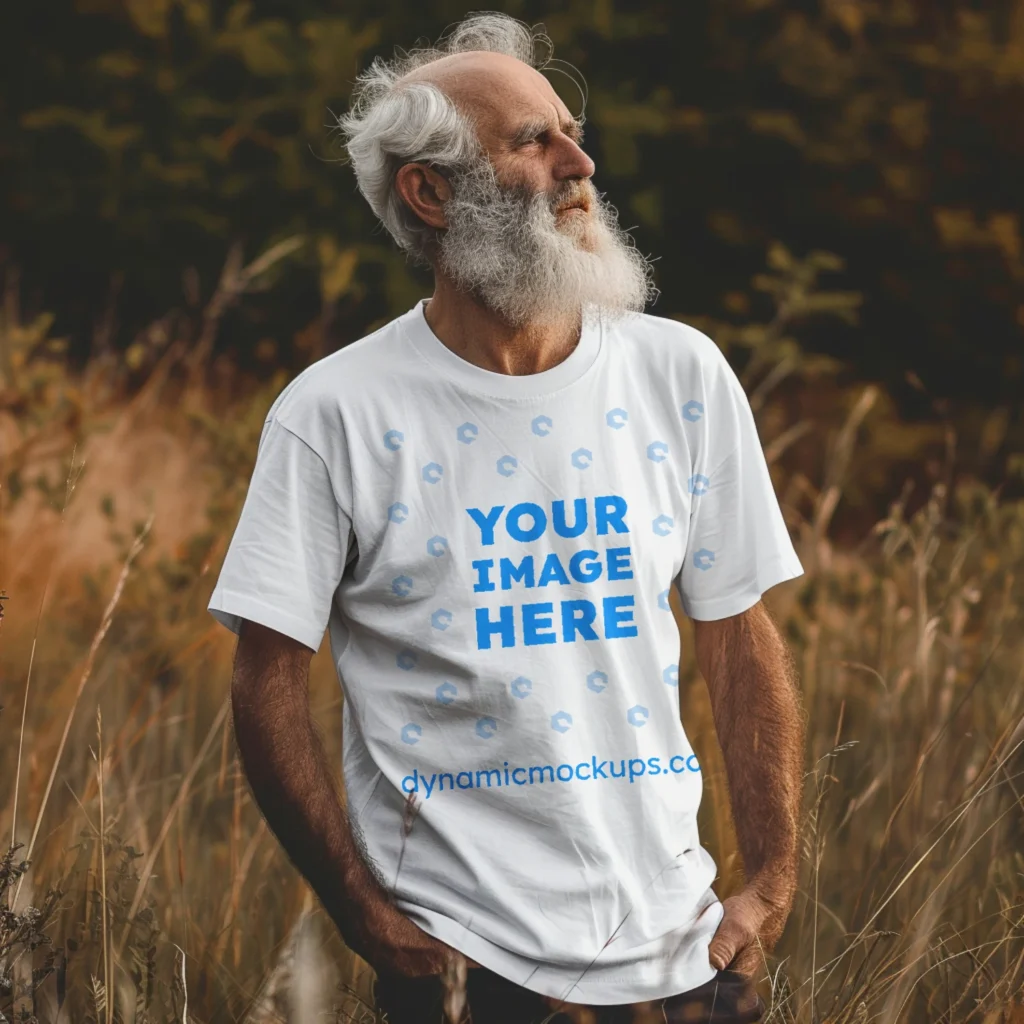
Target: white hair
(391, 123)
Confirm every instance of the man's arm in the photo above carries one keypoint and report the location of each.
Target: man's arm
(292, 782)
(758, 716)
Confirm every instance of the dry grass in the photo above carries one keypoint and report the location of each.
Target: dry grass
(155, 892)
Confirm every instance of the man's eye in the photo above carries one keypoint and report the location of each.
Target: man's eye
(577, 138)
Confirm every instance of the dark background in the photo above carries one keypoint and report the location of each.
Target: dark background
(140, 138)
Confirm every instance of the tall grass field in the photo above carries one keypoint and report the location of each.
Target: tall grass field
(138, 881)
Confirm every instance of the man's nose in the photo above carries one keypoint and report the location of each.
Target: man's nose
(579, 165)
(573, 162)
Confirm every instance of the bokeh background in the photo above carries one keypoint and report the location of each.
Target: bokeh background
(833, 190)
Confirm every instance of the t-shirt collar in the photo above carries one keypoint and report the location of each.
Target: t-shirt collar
(453, 367)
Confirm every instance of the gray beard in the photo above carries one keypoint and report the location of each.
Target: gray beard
(506, 247)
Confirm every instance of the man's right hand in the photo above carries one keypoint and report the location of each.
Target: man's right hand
(389, 941)
(294, 785)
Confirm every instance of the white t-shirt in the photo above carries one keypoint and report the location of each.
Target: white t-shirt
(492, 555)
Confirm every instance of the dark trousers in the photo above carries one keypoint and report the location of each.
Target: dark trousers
(728, 998)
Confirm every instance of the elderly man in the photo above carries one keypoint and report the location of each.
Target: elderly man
(487, 503)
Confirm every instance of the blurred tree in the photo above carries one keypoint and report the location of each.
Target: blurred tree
(142, 137)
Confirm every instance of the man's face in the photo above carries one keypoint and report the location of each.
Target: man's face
(535, 146)
(527, 258)
(526, 232)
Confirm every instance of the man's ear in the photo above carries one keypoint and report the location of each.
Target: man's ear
(424, 190)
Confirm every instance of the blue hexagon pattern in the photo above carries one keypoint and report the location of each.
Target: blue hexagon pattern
(616, 418)
(656, 451)
(597, 681)
(446, 692)
(671, 675)
(401, 586)
(411, 733)
(541, 425)
(398, 512)
(432, 472)
(486, 727)
(467, 433)
(561, 721)
(582, 457)
(662, 526)
(698, 484)
(703, 559)
(521, 687)
(441, 619)
(393, 440)
(637, 715)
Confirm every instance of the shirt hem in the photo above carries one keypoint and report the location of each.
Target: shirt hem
(593, 985)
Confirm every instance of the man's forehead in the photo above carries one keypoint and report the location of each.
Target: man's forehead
(499, 90)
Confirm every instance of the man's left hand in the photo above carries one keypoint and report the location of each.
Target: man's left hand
(735, 944)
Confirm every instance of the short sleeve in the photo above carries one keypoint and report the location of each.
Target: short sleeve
(288, 551)
(738, 545)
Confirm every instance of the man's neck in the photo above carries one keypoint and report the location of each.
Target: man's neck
(481, 337)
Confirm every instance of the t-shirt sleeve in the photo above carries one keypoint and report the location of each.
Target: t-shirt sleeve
(738, 544)
(288, 552)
